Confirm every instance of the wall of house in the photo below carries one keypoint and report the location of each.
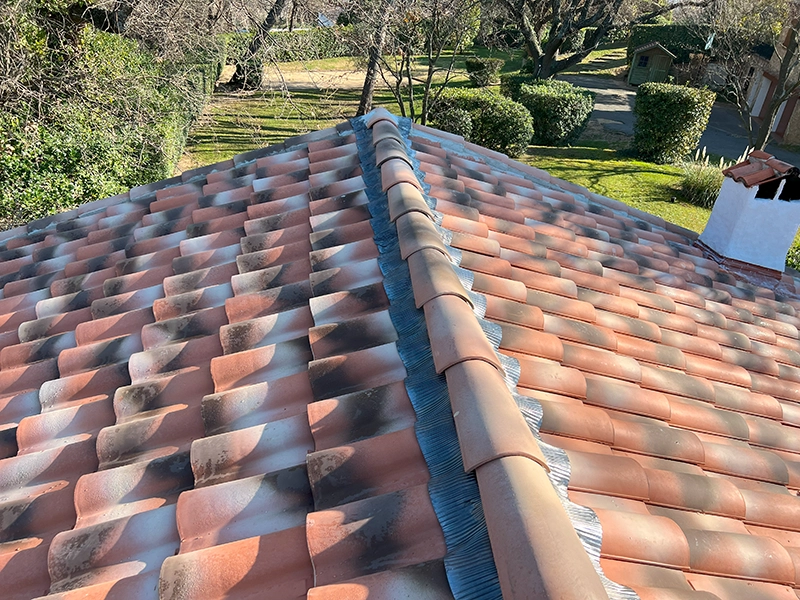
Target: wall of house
(792, 135)
(758, 231)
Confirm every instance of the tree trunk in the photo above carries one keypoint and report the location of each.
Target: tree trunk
(240, 77)
(765, 130)
(367, 92)
(292, 16)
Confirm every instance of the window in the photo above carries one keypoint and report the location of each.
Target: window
(643, 62)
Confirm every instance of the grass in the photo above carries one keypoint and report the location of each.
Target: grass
(606, 62)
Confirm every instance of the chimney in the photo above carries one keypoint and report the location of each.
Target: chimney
(757, 213)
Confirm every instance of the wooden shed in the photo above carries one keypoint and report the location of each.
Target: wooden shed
(651, 62)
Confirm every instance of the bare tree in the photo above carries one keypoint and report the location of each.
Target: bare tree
(546, 24)
(373, 65)
(438, 30)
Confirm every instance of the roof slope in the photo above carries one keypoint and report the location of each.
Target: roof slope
(376, 361)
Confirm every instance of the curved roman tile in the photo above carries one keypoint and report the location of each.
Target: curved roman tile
(711, 348)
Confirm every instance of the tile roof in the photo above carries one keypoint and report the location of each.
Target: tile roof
(759, 168)
(378, 361)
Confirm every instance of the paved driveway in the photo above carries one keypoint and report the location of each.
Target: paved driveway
(724, 135)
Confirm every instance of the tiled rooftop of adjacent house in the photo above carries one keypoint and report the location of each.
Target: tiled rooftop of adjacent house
(379, 362)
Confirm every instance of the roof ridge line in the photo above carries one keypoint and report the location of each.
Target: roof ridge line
(530, 529)
(454, 494)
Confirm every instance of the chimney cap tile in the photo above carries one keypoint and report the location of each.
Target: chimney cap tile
(759, 168)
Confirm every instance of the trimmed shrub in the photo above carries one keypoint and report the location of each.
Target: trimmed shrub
(483, 71)
(456, 120)
(510, 83)
(670, 120)
(498, 123)
(681, 40)
(560, 110)
(612, 37)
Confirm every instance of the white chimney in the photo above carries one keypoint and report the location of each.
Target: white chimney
(757, 212)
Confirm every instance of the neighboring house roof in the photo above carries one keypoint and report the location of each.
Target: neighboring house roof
(378, 362)
(759, 168)
(651, 46)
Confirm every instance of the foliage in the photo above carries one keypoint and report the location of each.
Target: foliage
(547, 25)
(614, 36)
(127, 126)
(483, 71)
(439, 30)
(743, 29)
(670, 120)
(793, 256)
(573, 43)
(455, 120)
(702, 180)
(560, 110)
(498, 123)
(287, 46)
(682, 40)
(511, 84)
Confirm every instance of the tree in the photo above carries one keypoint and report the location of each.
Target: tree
(242, 74)
(741, 28)
(373, 64)
(547, 24)
(439, 30)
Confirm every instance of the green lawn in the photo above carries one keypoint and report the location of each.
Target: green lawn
(609, 61)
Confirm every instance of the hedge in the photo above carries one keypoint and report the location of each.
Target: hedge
(126, 127)
(301, 44)
(670, 120)
(483, 71)
(612, 37)
(681, 40)
(496, 122)
(511, 83)
(560, 110)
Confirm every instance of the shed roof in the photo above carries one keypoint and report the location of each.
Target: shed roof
(377, 361)
(651, 46)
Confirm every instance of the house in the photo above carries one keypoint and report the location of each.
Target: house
(376, 361)
(763, 83)
(651, 62)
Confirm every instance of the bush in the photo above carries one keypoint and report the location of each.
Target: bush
(681, 40)
(126, 127)
(793, 257)
(560, 110)
(483, 71)
(510, 83)
(287, 46)
(498, 123)
(701, 180)
(456, 120)
(612, 37)
(670, 120)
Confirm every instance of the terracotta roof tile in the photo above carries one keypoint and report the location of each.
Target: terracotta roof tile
(262, 336)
